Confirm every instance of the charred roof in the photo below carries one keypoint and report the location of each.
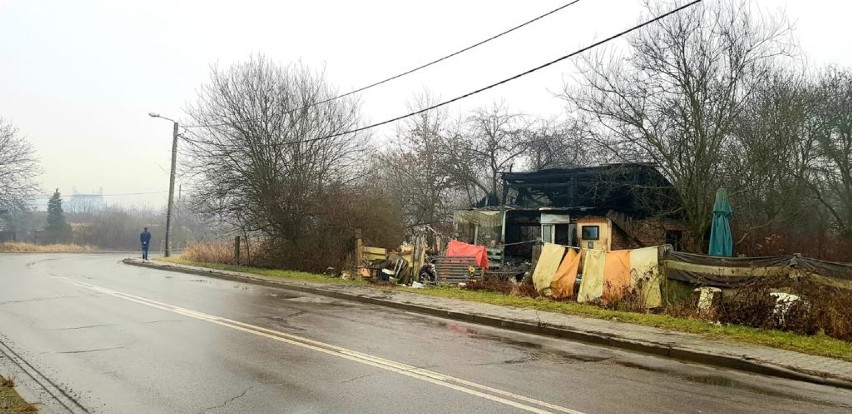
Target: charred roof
(638, 190)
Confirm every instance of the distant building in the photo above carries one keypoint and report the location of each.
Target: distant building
(84, 203)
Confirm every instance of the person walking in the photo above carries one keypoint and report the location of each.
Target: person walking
(145, 238)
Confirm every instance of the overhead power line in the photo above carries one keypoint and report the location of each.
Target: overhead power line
(522, 74)
(493, 85)
(423, 66)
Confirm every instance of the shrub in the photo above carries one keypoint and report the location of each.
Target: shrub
(328, 236)
(821, 308)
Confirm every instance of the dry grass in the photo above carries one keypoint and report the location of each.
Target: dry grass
(210, 252)
(15, 247)
(10, 401)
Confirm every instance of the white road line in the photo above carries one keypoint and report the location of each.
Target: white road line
(472, 388)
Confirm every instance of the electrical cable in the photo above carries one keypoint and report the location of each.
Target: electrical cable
(522, 74)
(363, 88)
(493, 85)
(423, 66)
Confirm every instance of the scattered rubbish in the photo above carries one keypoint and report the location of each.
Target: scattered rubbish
(386, 274)
(708, 298)
(426, 274)
(783, 303)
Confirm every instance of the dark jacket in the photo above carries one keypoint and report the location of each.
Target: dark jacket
(145, 237)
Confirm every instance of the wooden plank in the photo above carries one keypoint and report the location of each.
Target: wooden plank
(374, 250)
(374, 253)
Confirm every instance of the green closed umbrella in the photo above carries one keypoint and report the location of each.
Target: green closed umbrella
(721, 241)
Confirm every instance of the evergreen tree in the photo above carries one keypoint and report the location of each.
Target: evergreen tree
(57, 230)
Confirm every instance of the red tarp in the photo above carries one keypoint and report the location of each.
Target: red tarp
(457, 248)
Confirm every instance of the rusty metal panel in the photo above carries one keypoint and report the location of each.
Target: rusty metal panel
(455, 269)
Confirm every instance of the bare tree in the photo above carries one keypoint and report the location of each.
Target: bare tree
(555, 144)
(768, 161)
(271, 144)
(491, 142)
(674, 97)
(415, 166)
(18, 168)
(833, 178)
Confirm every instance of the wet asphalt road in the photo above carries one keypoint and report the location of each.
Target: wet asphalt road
(104, 337)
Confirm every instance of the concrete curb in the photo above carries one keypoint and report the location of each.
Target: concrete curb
(591, 337)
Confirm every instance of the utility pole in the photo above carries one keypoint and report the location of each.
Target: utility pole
(166, 252)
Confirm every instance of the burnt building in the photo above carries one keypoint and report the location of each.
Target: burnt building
(610, 207)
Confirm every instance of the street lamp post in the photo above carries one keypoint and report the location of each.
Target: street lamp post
(166, 252)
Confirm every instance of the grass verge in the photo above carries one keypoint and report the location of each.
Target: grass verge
(14, 247)
(10, 401)
(814, 345)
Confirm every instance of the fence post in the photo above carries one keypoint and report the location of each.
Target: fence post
(358, 251)
(237, 249)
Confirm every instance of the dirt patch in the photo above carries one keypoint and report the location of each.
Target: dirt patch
(10, 401)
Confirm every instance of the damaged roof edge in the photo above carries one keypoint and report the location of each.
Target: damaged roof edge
(636, 189)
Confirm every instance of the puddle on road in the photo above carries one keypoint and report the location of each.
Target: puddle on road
(284, 323)
(319, 301)
(283, 295)
(528, 358)
(533, 351)
(722, 381)
(508, 341)
(628, 364)
(711, 380)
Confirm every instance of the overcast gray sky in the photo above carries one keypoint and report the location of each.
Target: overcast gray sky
(79, 77)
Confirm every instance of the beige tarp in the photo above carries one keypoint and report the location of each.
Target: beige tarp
(645, 274)
(591, 286)
(562, 286)
(545, 269)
